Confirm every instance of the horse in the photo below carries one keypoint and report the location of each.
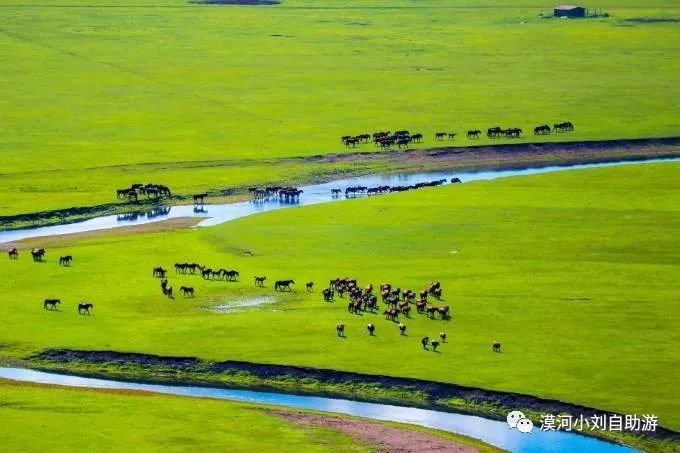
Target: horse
(442, 335)
(187, 291)
(473, 133)
(327, 295)
(259, 281)
(131, 194)
(431, 311)
(167, 291)
(456, 181)
(452, 135)
(121, 193)
(159, 272)
(85, 308)
(38, 254)
(496, 346)
(439, 135)
(340, 329)
(310, 286)
(402, 329)
(198, 198)
(425, 341)
(232, 275)
(435, 344)
(13, 253)
(281, 285)
(542, 130)
(371, 329)
(52, 303)
(65, 260)
(335, 192)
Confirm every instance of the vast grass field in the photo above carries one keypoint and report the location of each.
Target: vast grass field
(574, 272)
(97, 95)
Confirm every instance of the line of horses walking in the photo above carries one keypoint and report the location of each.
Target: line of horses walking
(402, 138)
(378, 190)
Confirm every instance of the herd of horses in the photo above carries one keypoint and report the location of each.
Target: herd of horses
(363, 190)
(402, 138)
(285, 194)
(154, 191)
(38, 254)
(397, 302)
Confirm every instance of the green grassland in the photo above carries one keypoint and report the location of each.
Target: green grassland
(93, 91)
(39, 418)
(574, 272)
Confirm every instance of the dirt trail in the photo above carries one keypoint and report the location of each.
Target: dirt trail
(382, 437)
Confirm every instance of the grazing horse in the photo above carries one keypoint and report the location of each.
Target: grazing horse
(431, 311)
(455, 181)
(310, 286)
(440, 135)
(38, 254)
(122, 193)
(187, 291)
(327, 295)
(259, 281)
(198, 198)
(496, 346)
(425, 341)
(442, 335)
(402, 329)
(51, 303)
(443, 311)
(131, 195)
(84, 308)
(473, 133)
(452, 135)
(65, 260)
(281, 285)
(13, 253)
(371, 329)
(435, 344)
(340, 329)
(159, 272)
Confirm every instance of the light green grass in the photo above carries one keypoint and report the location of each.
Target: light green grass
(40, 418)
(574, 272)
(165, 81)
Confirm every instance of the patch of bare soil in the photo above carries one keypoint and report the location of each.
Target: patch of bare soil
(382, 437)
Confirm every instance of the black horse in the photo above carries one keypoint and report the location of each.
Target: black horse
(281, 285)
(52, 303)
(309, 286)
(65, 260)
(187, 291)
(84, 308)
(259, 281)
(13, 253)
(198, 198)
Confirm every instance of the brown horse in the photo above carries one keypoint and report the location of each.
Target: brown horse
(281, 285)
(259, 281)
(38, 254)
(187, 291)
(13, 253)
(340, 329)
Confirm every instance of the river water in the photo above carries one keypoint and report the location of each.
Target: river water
(215, 214)
(494, 432)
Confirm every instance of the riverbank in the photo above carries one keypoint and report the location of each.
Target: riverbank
(330, 167)
(206, 426)
(152, 369)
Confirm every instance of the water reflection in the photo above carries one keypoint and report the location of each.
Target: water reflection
(313, 194)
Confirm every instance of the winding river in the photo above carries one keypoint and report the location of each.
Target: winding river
(215, 214)
(494, 432)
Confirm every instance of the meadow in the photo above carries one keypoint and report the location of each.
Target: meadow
(76, 419)
(97, 96)
(575, 273)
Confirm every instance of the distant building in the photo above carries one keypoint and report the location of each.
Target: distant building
(569, 11)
